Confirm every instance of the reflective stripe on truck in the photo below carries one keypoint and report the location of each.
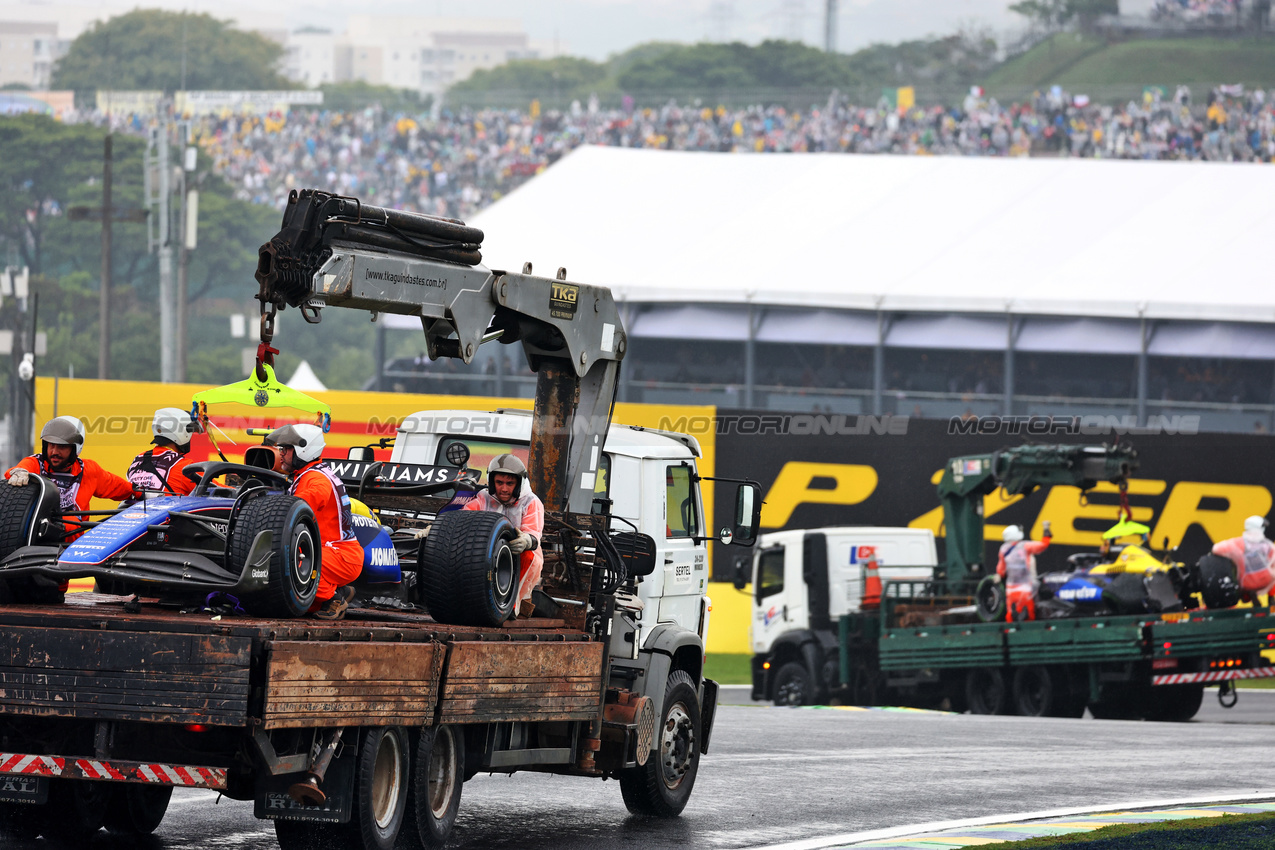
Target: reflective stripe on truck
(1214, 676)
(178, 775)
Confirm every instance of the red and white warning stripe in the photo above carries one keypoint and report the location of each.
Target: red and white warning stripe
(1213, 676)
(180, 775)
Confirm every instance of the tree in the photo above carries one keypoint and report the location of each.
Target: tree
(1052, 14)
(525, 79)
(145, 50)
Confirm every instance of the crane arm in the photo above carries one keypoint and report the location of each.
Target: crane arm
(334, 251)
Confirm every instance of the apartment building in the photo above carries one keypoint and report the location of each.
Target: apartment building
(27, 52)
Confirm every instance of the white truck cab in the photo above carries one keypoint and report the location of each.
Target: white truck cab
(652, 482)
(804, 581)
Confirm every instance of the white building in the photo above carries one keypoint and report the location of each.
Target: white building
(423, 54)
(27, 52)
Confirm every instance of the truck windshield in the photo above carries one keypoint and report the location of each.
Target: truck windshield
(770, 572)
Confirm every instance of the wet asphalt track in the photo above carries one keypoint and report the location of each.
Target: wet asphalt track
(775, 775)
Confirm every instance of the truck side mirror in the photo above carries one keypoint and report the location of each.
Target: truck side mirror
(747, 516)
(360, 453)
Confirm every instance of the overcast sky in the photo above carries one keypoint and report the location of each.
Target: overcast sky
(596, 28)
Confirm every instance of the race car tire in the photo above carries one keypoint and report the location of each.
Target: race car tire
(1218, 584)
(295, 559)
(23, 512)
(793, 685)
(468, 576)
(137, 809)
(438, 776)
(985, 691)
(662, 786)
(1173, 703)
(990, 596)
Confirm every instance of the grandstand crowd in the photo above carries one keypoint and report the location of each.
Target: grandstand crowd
(457, 163)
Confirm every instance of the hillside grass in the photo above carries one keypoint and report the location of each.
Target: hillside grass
(1076, 62)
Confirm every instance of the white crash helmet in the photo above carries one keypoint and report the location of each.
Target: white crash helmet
(1012, 534)
(1255, 523)
(508, 465)
(307, 440)
(63, 431)
(174, 425)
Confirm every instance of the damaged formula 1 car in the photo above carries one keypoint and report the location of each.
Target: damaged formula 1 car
(251, 545)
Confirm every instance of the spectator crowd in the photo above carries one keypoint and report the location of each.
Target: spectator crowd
(456, 163)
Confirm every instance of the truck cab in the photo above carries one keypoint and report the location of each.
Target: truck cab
(650, 479)
(804, 582)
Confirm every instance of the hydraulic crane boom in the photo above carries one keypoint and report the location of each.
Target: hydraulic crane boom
(334, 251)
(1020, 470)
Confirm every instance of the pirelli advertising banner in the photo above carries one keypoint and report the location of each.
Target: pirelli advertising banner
(1191, 488)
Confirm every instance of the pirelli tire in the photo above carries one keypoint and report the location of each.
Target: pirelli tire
(989, 597)
(467, 574)
(29, 515)
(295, 559)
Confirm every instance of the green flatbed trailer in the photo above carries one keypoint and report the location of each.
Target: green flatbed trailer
(1154, 666)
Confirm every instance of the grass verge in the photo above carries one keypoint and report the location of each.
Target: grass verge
(728, 669)
(1234, 832)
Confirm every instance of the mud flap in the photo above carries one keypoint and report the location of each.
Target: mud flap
(707, 713)
(31, 790)
(273, 803)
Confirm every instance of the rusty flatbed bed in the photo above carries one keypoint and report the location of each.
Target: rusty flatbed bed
(90, 659)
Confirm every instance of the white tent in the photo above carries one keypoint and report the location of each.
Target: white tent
(305, 380)
(1062, 237)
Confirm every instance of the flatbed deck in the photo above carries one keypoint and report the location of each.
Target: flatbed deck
(91, 659)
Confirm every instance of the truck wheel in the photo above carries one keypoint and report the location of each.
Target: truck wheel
(294, 561)
(380, 787)
(1173, 703)
(468, 576)
(23, 512)
(985, 691)
(137, 809)
(75, 812)
(990, 596)
(1118, 705)
(662, 786)
(437, 780)
(793, 685)
(1035, 692)
(20, 821)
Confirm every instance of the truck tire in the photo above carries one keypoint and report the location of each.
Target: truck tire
(22, 511)
(793, 685)
(985, 691)
(468, 576)
(75, 812)
(436, 781)
(380, 788)
(662, 786)
(295, 561)
(1118, 704)
(1173, 703)
(137, 809)
(20, 821)
(990, 599)
(1035, 692)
